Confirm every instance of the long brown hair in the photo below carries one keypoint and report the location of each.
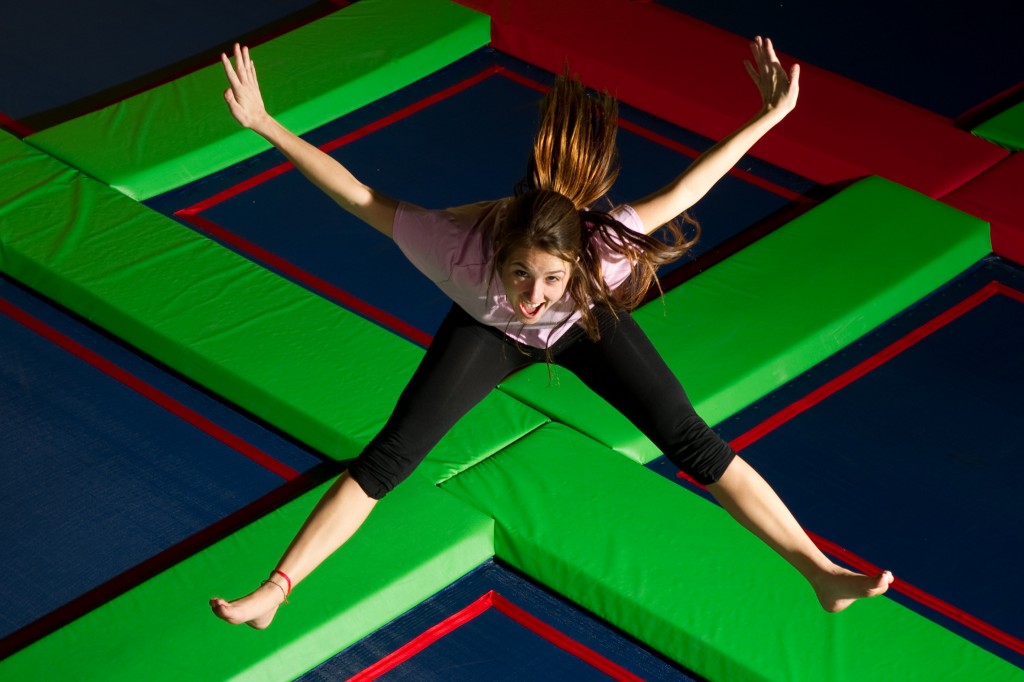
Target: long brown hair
(573, 165)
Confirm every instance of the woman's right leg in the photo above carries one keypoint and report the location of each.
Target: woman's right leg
(462, 365)
(626, 370)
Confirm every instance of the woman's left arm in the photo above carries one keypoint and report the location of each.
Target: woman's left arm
(779, 92)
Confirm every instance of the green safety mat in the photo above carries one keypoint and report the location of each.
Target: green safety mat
(181, 131)
(781, 305)
(322, 374)
(675, 571)
(418, 540)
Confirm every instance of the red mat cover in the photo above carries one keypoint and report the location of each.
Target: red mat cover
(997, 196)
(691, 74)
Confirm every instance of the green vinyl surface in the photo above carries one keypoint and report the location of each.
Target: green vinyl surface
(178, 132)
(1006, 129)
(675, 571)
(317, 371)
(749, 324)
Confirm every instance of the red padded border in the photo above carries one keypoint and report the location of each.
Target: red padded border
(691, 73)
(998, 197)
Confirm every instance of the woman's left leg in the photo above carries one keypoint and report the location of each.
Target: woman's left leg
(625, 369)
(743, 493)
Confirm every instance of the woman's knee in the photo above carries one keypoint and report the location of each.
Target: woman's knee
(384, 463)
(698, 451)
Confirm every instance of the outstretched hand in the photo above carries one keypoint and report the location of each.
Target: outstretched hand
(778, 89)
(243, 97)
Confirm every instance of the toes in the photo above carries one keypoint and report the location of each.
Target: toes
(225, 611)
(882, 583)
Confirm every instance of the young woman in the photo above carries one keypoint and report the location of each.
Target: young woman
(541, 277)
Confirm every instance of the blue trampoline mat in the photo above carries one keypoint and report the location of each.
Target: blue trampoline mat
(916, 465)
(469, 145)
(491, 626)
(100, 469)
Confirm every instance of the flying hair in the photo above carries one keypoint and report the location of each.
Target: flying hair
(572, 166)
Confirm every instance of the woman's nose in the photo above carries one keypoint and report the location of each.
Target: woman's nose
(535, 291)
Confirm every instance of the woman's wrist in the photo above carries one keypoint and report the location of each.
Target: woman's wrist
(264, 126)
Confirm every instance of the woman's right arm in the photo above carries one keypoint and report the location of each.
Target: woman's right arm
(779, 91)
(246, 105)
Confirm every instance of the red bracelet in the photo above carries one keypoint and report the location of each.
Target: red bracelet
(286, 579)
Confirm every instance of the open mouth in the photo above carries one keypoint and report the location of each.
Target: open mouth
(530, 311)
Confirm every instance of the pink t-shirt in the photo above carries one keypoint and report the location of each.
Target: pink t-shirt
(448, 246)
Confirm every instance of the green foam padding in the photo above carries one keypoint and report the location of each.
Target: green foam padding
(778, 307)
(417, 541)
(322, 374)
(675, 571)
(180, 131)
(488, 428)
(1005, 129)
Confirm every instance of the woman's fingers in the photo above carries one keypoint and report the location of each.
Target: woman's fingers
(242, 62)
(241, 75)
(243, 96)
(755, 50)
(751, 70)
(229, 71)
(770, 51)
(778, 86)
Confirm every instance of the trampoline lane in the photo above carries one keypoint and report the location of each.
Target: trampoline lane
(111, 469)
(903, 452)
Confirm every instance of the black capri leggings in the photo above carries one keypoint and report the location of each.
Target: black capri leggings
(467, 360)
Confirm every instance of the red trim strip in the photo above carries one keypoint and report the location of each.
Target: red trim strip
(735, 171)
(920, 596)
(521, 79)
(341, 141)
(142, 388)
(413, 108)
(507, 608)
(15, 126)
(424, 639)
(312, 281)
(1008, 291)
(848, 377)
(562, 641)
(140, 573)
(778, 419)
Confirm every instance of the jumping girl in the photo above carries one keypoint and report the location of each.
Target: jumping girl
(543, 276)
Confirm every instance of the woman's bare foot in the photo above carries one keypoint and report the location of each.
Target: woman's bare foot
(257, 609)
(839, 588)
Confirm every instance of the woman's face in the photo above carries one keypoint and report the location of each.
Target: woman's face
(534, 280)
